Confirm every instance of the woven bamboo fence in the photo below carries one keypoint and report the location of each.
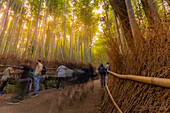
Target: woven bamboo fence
(136, 94)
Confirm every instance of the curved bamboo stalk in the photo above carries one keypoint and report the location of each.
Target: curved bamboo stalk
(149, 80)
(111, 97)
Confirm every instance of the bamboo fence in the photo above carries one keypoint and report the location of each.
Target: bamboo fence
(162, 82)
(149, 80)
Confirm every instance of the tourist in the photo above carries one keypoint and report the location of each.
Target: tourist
(29, 85)
(38, 75)
(107, 70)
(22, 83)
(4, 79)
(101, 72)
(61, 74)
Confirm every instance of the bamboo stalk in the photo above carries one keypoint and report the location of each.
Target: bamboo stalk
(117, 107)
(149, 80)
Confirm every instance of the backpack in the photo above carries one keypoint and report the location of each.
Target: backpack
(31, 74)
(102, 69)
(43, 70)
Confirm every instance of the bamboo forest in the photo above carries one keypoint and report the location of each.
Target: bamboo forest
(122, 42)
(52, 29)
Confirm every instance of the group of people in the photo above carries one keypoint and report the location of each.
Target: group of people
(27, 76)
(24, 83)
(103, 73)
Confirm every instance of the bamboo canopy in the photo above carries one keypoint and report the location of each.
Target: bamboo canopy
(149, 80)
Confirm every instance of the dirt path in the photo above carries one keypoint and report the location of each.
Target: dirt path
(83, 98)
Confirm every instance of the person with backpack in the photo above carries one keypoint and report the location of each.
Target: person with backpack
(4, 79)
(38, 75)
(101, 72)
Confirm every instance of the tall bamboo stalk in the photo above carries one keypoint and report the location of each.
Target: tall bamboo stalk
(138, 37)
(108, 24)
(37, 42)
(49, 46)
(15, 25)
(56, 28)
(84, 57)
(5, 40)
(151, 12)
(71, 37)
(35, 31)
(64, 37)
(117, 33)
(121, 10)
(2, 22)
(7, 21)
(20, 41)
(1, 4)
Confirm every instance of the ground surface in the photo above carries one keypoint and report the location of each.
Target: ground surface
(83, 98)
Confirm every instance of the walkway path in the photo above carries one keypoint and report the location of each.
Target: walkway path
(70, 100)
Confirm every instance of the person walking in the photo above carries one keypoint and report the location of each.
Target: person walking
(4, 79)
(37, 78)
(101, 71)
(61, 74)
(29, 85)
(22, 83)
(107, 70)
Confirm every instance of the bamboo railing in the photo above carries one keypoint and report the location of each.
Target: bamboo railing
(162, 82)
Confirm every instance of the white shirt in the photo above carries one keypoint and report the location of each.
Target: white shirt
(61, 71)
(108, 67)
